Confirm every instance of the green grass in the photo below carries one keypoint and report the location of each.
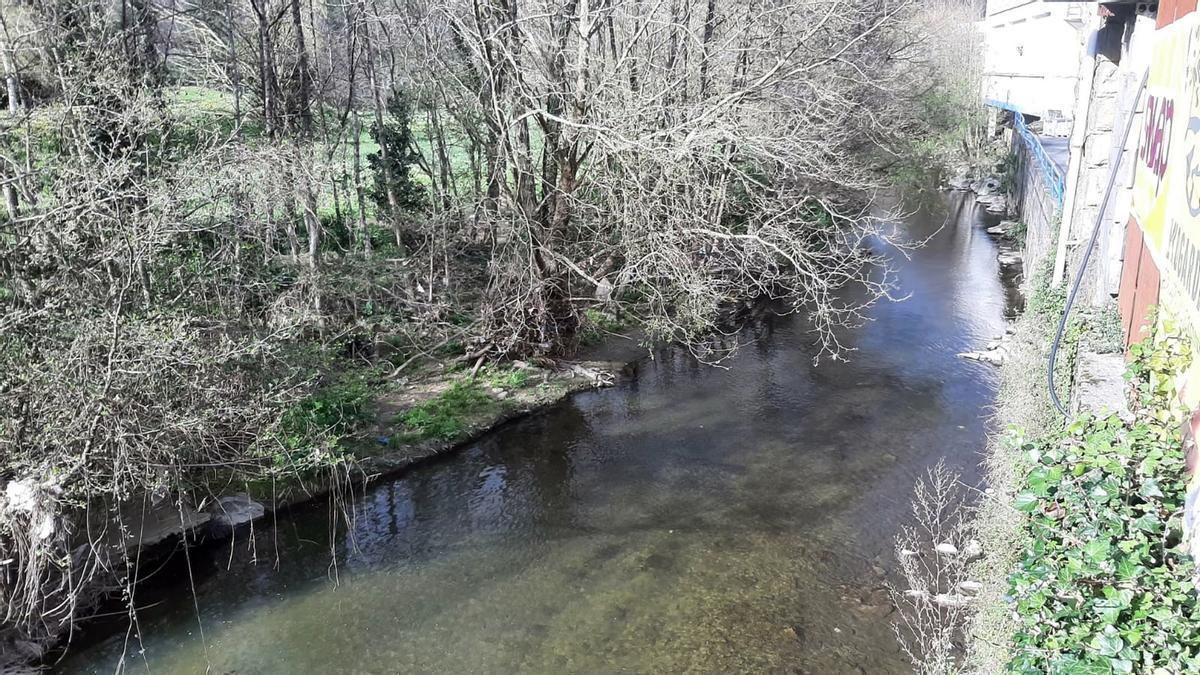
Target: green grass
(205, 108)
(321, 419)
(508, 378)
(1016, 231)
(190, 98)
(445, 417)
(597, 324)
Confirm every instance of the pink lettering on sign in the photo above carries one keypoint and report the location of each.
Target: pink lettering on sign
(1156, 135)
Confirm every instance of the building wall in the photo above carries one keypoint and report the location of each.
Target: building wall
(1139, 284)
(1166, 182)
(1114, 65)
(1162, 253)
(1032, 52)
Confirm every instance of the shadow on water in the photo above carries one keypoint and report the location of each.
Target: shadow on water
(695, 518)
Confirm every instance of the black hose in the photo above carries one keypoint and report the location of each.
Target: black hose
(1087, 252)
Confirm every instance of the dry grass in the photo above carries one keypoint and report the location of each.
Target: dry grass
(954, 615)
(1023, 409)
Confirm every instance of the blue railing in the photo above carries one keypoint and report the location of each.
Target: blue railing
(1051, 174)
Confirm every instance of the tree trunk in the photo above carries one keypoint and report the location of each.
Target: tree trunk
(384, 156)
(290, 227)
(235, 75)
(364, 232)
(304, 104)
(10, 78)
(11, 201)
(710, 25)
(266, 68)
(445, 170)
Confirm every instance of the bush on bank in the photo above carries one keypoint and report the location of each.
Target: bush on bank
(1104, 584)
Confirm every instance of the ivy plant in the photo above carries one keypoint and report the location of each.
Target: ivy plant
(1104, 584)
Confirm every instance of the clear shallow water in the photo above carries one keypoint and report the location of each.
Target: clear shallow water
(694, 519)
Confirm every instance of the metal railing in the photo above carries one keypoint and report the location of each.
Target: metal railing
(1051, 174)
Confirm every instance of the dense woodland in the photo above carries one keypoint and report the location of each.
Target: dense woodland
(212, 204)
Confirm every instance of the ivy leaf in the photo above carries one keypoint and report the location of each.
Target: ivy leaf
(1026, 502)
(1096, 550)
(1108, 644)
(1150, 489)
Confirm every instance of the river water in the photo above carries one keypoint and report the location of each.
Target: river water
(692, 519)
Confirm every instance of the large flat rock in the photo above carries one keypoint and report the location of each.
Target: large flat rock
(1100, 384)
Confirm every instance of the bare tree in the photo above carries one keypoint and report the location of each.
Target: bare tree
(177, 176)
(933, 555)
(745, 183)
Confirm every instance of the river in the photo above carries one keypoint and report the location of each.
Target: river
(691, 519)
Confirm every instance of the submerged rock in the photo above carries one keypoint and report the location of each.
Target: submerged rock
(961, 180)
(947, 548)
(994, 203)
(951, 600)
(995, 357)
(232, 511)
(973, 550)
(970, 587)
(1003, 228)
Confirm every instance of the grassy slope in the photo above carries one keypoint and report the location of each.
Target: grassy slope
(210, 109)
(1024, 415)
(1023, 403)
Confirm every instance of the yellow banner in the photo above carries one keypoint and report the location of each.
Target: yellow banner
(1166, 185)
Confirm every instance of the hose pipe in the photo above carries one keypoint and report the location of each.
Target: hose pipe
(1087, 252)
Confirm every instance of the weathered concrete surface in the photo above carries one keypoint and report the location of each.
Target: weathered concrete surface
(1057, 149)
(147, 523)
(1035, 205)
(1100, 384)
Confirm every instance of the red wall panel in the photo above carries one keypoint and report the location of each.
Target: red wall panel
(1139, 284)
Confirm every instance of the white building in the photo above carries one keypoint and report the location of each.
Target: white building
(1033, 51)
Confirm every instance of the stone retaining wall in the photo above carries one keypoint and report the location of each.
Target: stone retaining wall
(1035, 206)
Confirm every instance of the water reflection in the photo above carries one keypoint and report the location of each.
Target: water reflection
(695, 519)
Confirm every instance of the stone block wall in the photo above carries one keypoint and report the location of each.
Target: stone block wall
(1113, 92)
(1034, 204)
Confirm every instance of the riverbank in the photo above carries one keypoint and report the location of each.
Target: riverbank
(1082, 565)
(1023, 408)
(440, 408)
(968, 572)
(1086, 568)
(692, 518)
(388, 425)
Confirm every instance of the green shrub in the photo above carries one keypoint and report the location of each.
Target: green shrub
(323, 417)
(396, 135)
(1105, 332)
(1017, 231)
(596, 324)
(1006, 171)
(1048, 303)
(1103, 585)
